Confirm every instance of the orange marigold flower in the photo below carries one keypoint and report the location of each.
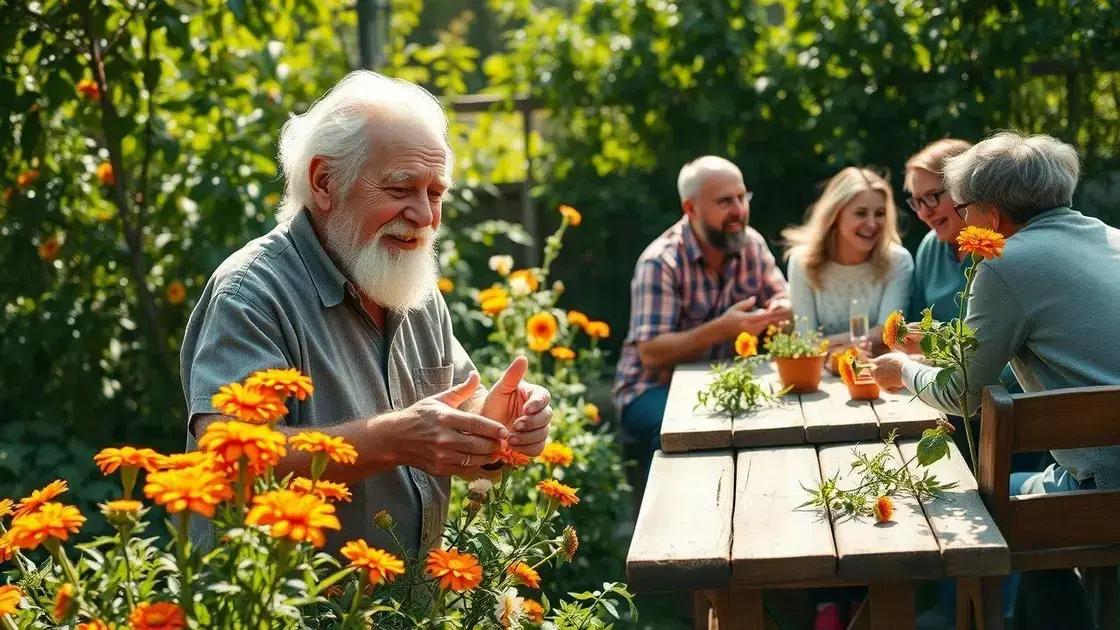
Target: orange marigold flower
(445, 285)
(591, 410)
(894, 329)
(599, 330)
(89, 89)
(40, 497)
(6, 548)
(565, 495)
(572, 215)
(846, 365)
(293, 515)
(524, 281)
(10, 597)
(556, 453)
(52, 520)
(94, 624)
(327, 490)
(576, 318)
(542, 326)
(48, 249)
(528, 576)
(746, 345)
(495, 305)
(157, 616)
(884, 509)
(178, 461)
(571, 542)
(496, 291)
(338, 449)
(455, 571)
(507, 455)
(533, 611)
(176, 292)
(250, 404)
(123, 506)
(561, 353)
(27, 178)
(199, 489)
(538, 344)
(110, 459)
(105, 174)
(286, 382)
(381, 565)
(7, 506)
(259, 444)
(982, 242)
(64, 604)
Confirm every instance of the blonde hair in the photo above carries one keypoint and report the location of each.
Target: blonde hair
(815, 239)
(932, 158)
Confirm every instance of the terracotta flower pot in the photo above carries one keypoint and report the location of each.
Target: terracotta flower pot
(802, 375)
(864, 388)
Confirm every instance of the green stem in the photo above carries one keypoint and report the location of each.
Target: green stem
(354, 604)
(240, 489)
(970, 275)
(186, 597)
(7, 623)
(127, 570)
(59, 555)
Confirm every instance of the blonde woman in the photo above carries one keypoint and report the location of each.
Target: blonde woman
(848, 250)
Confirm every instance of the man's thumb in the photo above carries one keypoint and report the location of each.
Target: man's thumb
(746, 304)
(459, 394)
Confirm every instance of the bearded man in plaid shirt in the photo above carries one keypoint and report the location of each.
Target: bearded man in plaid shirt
(706, 279)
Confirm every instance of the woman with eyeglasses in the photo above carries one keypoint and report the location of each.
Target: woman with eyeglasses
(846, 262)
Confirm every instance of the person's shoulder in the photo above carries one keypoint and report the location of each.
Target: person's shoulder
(667, 249)
(899, 255)
(796, 256)
(262, 266)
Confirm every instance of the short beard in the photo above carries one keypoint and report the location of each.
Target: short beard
(398, 280)
(726, 242)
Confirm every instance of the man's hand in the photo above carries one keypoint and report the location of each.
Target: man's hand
(780, 308)
(522, 407)
(743, 316)
(442, 440)
(911, 343)
(887, 370)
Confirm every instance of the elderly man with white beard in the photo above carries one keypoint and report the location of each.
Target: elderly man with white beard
(343, 289)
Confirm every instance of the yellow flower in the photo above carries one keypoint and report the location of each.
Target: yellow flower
(6, 548)
(338, 449)
(292, 515)
(599, 330)
(93, 624)
(52, 520)
(445, 285)
(528, 576)
(495, 291)
(523, 282)
(982, 242)
(455, 571)
(746, 345)
(846, 365)
(591, 410)
(198, 489)
(894, 329)
(89, 89)
(541, 329)
(176, 292)
(178, 461)
(537, 344)
(326, 490)
(884, 509)
(122, 513)
(64, 604)
(10, 597)
(48, 249)
(576, 318)
(157, 616)
(533, 611)
(251, 404)
(572, 215)
(39, 497)
(565, 495)
(110, 459)
(105, 174)
(495, 305)
(7, 506)
(382, 566)
(556, 453)
(561, 353)
(501, 264)
(261, 445)
(286, 382)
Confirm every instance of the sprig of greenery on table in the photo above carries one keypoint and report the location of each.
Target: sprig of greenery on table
(734, 390)
(784, 343)
(878, 478)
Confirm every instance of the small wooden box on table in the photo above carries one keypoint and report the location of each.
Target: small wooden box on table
(725, 520)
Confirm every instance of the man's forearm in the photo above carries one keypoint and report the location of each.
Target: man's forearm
(669, 349)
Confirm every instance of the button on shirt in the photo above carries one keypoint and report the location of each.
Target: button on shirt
(674, 289)
(282, 302)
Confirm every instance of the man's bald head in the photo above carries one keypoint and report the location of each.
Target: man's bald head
(694, 173)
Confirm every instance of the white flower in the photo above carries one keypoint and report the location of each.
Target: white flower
(508, 610)
(519, 285)
(480, 486)
(502, 264)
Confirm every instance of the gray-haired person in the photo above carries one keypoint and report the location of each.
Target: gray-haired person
(1047, 306)
(343, 288)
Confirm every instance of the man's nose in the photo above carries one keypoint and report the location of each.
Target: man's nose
(421, 213)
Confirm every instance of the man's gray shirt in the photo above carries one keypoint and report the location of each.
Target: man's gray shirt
(281, 302)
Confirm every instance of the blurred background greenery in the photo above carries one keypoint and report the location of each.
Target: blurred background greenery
(183, 100)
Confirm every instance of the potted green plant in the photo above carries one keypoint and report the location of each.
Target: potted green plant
(799, 357)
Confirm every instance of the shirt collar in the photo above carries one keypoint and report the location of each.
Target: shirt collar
(1048, 213)
(329, 281)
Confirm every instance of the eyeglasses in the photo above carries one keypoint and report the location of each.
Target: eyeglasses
(961, 207)
(928, 200)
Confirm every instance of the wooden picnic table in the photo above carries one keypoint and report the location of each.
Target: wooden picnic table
(725, 523)
(821, 417)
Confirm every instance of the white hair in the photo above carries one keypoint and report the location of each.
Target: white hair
(337, 127)
(1020, 175)
(693, 173)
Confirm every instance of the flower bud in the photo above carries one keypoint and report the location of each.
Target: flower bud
(571, 542)
(383, 519)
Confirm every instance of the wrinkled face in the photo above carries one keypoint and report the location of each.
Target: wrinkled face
(941, 218)
(385, 230)
(720, 210)
(862, 221)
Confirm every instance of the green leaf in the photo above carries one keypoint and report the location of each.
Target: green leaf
(944, 376)
(933, 446)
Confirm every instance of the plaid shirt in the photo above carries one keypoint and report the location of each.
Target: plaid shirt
(674, 290)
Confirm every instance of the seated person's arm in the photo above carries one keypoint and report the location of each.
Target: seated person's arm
(671, 348)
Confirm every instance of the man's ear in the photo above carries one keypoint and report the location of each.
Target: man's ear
(688, 207)
(319, 180)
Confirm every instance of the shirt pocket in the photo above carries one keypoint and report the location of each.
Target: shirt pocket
(432, 380)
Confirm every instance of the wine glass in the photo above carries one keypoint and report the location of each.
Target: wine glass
(858, 325)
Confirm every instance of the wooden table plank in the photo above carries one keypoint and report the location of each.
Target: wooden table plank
(831, 416)
(904, 413)
(686, 427)
(682, 540)
(775, 541)
(971, 544)
(774, 424)
(870, 551)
